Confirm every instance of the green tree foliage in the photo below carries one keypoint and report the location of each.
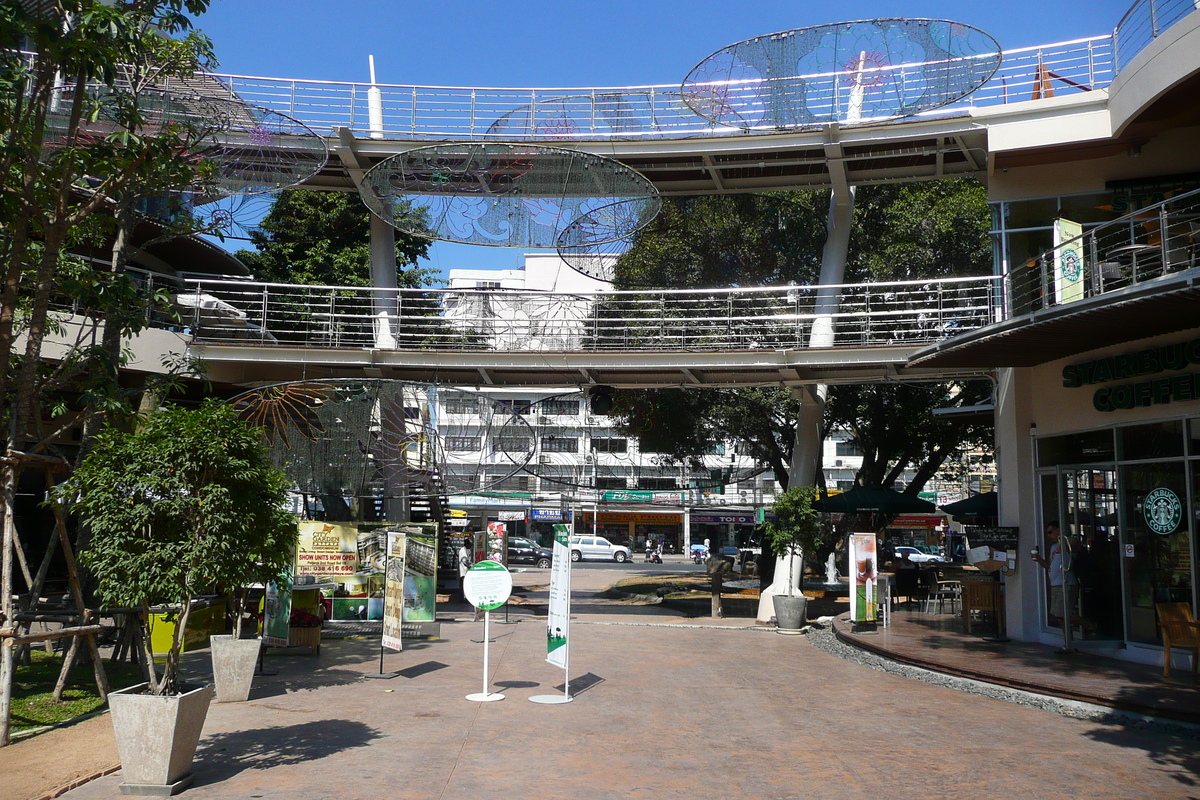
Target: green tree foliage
(901, 232)
(323, 238)
(188, 504)
(796, 526)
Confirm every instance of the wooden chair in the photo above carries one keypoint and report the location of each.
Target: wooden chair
(1179, 630)
(980, 593)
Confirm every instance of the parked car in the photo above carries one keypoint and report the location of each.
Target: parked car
(916, 556)
(597, 547)
(525, 551)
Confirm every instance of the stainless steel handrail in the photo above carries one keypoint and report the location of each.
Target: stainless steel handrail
(437, 113)
(1144, 22)
(1144, 245)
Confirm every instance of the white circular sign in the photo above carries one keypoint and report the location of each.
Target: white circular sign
(487, 585)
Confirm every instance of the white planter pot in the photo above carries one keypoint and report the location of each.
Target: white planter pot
(233, 663)
(157, 738)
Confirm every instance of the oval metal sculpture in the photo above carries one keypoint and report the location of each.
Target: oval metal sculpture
(593, 242)
(239, 149)
(865, 71)
(501, 194)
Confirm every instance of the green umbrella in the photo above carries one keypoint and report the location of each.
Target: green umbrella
(980, 505)
(874, 498)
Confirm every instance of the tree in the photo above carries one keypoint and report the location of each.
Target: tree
(797, 527)
(323, 238)
(190, 503)
(901, 231)
(76, 145)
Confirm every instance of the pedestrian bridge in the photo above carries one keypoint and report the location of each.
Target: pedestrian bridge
(248, 331)
(652, 130)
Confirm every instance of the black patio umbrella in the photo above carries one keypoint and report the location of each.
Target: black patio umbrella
(874, 498)
(979, 505)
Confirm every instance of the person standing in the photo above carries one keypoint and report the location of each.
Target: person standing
(1064, 589)
(465, 560)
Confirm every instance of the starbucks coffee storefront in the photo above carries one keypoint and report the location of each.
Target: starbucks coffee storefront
(1113, 453)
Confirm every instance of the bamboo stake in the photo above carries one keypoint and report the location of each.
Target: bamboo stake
(60, 526)
(62, 633)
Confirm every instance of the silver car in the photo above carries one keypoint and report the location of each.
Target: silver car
(597, 547)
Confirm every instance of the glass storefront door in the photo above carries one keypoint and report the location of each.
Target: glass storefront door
(1156, 523)
(1088, 498)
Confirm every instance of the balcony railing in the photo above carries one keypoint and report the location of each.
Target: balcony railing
(1144, 22)
(1142, 246)
(438, 113)
(869, 315)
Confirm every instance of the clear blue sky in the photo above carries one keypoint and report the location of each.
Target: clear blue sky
(515, 43)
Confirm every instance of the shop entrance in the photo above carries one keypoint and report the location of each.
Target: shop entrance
(1084, 501)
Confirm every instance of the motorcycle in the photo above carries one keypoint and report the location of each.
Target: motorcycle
(699, 554)
(653, 556)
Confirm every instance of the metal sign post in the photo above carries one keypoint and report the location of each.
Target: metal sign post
(487, 585)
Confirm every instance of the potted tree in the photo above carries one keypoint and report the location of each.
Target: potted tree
(795, 532)
(188, 503)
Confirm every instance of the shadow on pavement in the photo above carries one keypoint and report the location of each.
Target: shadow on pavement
(582, 683)
(417, 670)
(223, 755)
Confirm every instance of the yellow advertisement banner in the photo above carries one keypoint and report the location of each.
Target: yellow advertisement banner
(327, 550)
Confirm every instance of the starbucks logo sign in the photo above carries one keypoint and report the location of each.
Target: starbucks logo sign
(1070, 264)
(1163, 511)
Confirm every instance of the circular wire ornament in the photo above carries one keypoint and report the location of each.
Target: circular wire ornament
(236, 148)
(592, 243)
(864, 71)
(501, 194)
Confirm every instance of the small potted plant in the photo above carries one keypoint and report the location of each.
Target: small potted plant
(305, 629)
(188, 503)
(795, 532)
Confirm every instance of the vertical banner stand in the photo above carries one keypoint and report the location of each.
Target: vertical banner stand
(560, 610)
(487, 585)
(392, 625)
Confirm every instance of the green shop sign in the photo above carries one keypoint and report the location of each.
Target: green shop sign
(1163, 511)
(1151, 361)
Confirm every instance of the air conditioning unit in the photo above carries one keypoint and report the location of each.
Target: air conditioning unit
(838, 463)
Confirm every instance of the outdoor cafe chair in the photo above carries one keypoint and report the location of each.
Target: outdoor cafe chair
(1179, 630)
(943, 591)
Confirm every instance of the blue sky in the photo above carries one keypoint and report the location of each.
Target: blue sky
(513, 43)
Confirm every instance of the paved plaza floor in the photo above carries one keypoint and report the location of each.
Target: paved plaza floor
(665, 707)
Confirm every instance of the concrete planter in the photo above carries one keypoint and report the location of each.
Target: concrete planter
(791, 612)
(157, 738)
(233, 663)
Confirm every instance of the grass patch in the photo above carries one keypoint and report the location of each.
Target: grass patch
(33, 703)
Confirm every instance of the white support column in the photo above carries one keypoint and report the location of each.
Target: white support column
(383, 277)
(1018, 491)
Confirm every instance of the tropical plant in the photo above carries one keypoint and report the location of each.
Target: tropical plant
(797, 529)
(190, 503)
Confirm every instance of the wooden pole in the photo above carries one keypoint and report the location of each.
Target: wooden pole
(60, 526)
(13, 636)
(8, 472)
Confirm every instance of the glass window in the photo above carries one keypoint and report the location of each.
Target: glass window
(1157, 440)
(845, 447)
(1156, 526)
(611, 483)
(1194, 437)
(559, 444)
(610, 445)
(463, 443)
(512, 444)
(558, 407)
(1092, 447)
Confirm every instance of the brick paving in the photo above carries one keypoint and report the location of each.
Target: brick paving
(666, 707)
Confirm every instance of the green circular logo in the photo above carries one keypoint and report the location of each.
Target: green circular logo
(1070, 264)
(1163, 511)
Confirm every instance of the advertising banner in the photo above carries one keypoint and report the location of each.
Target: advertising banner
(641, 496)
(558, 619)
(546, 515)
(1068, 261)
(277, 615)
(327, 550)
(497, 539)
(420, 571)
(393, 591)
(864, 573)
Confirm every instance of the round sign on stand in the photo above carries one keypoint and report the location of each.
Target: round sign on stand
(487, 585)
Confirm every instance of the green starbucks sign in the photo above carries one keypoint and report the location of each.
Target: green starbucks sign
(1163, 511)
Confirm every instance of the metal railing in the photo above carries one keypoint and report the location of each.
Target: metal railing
(1144, 22)
(870, 315)
(1142, 246)
(439, 113)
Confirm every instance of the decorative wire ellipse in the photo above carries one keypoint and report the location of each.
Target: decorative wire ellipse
(592, 243)
(501, 194)
(381, 438)
(238, 148)
(847, 72)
